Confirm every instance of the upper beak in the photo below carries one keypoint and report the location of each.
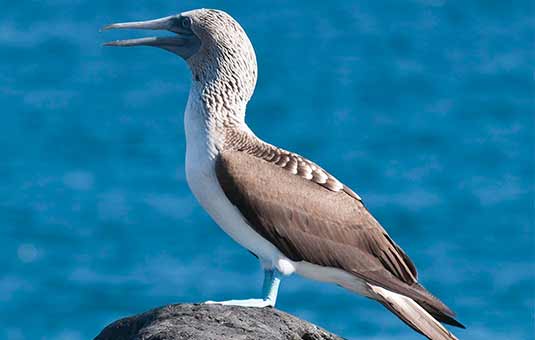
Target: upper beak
(167, 23)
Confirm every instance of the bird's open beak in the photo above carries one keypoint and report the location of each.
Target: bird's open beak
(167, 23)
(183, 43)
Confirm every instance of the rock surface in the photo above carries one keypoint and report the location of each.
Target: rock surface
(213, 322)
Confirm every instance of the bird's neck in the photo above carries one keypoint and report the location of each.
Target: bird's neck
(224, 79)
(209, 121)
(217, 106)
(222, 104)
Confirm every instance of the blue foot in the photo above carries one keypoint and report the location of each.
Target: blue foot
(270, 289)
(260, 303)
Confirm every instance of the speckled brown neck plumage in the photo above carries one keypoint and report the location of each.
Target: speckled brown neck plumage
(224, 70)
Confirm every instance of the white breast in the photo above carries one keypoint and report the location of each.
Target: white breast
(201, 153)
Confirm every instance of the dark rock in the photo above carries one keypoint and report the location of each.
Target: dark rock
(213, 322)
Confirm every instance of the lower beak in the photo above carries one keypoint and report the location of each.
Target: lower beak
(150, 41)
(167, 23)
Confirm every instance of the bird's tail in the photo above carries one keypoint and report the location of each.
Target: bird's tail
(412, 314)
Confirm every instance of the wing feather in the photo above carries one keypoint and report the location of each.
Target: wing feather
(294, 214)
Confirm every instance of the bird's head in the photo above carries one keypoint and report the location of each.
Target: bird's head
(213, 44)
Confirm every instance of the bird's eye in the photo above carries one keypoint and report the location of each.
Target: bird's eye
(185, 22)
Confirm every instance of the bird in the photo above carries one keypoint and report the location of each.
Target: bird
(289, 212)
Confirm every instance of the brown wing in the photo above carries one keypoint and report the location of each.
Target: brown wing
(295, 214)
(314, 223)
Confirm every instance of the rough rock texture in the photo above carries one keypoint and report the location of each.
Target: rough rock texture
(213, 322)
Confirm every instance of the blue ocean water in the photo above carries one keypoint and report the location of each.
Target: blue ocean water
(424, 107)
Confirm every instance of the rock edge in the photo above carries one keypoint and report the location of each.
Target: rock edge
(213, 322)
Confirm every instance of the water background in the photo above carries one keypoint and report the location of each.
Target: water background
(424, 107)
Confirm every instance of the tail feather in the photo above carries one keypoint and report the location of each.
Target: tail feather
(441, 316)
(435, 307)
(410, 312)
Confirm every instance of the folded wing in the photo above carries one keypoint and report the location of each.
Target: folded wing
(318, 220)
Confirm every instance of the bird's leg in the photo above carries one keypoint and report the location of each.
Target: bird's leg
(270, 288)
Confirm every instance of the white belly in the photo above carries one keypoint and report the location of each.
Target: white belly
(204, 185)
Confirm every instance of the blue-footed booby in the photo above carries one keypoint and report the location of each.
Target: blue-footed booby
(285, 209)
